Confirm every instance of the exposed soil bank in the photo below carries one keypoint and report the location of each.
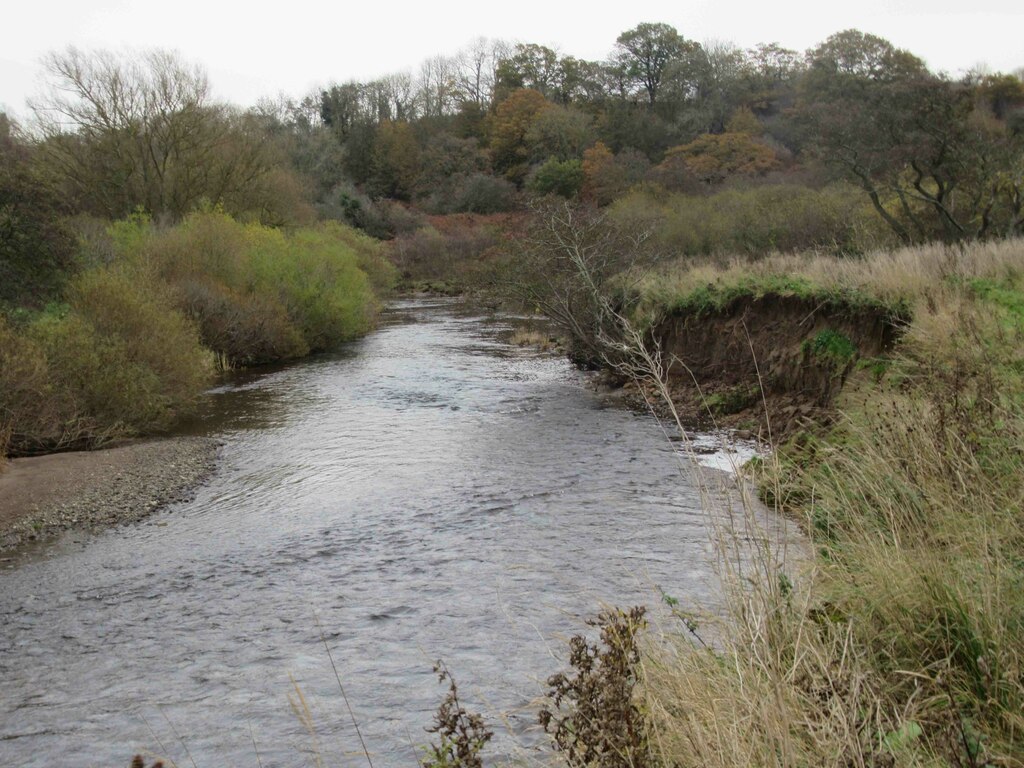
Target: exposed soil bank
(43, 496)
(767, 364)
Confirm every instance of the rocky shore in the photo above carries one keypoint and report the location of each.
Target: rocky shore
(43, 496)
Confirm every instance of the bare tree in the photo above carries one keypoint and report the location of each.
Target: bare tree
(143, 131)
(437, 86)
(477, 69)
(580, 270)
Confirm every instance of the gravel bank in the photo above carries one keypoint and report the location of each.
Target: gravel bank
(43, 496)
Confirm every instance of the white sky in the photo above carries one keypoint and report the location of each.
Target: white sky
(258, 48)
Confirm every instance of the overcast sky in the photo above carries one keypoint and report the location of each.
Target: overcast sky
(256, 49)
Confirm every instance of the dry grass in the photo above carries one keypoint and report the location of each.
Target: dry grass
(903, 642)
(543, 342)
(914, 276)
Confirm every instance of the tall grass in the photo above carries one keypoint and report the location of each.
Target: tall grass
(902, 641)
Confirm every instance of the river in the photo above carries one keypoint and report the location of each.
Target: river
(427, 492)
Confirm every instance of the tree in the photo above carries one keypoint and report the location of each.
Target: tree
(582, 82)
(437, 86)
(395, 161)
(854, 55)
(508, 129)
(712, 158)
(36, 249)
(1004, 94)
(143, 132)
(530, 66)
(477, 70)
(645, 53)
(930, 164)
(570, 264)
(771, 71)
(560, 132)
(341, 108)
(713, 77)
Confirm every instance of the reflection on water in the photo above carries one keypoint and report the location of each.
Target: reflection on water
(427, 492)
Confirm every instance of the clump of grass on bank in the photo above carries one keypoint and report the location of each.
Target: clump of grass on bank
(903, 642)
(901, 280)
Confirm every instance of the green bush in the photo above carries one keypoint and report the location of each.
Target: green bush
(557, 177)
(32, 413)
(133, 344)
(117, 359)
(126, 350)
(317, 279)
(258, 294)
(369, 255)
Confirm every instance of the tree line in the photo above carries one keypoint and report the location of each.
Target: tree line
(485, 130)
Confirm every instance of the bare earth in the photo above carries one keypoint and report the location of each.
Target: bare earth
(43, 496)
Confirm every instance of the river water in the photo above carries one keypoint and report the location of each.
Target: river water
(427, 492)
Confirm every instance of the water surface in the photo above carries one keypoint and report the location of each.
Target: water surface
(429, 491)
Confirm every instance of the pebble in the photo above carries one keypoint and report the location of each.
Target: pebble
(156, 474)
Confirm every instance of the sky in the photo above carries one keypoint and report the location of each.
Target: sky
(256, 49)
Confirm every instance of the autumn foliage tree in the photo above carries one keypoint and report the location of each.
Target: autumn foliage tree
(512, 120)
(712, 158)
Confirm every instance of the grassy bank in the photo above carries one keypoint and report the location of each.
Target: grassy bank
(151, 312)
(903, 642)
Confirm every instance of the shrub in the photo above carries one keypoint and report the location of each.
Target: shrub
(118, 359)
(557, 177)
(462, 734)
(755, 221)
(369, 253)
(125, 354)
(482, 193)
(608, 176)
(452, 249)
(317, 279)
(347, 204)
(126, 350)
(33, 414)
(242, 328)
(258, 294)
(593, 717)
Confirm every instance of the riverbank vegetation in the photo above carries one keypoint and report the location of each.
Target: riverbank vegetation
(901, 643)
(820, 247)
(137, 330)
(889, 387)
